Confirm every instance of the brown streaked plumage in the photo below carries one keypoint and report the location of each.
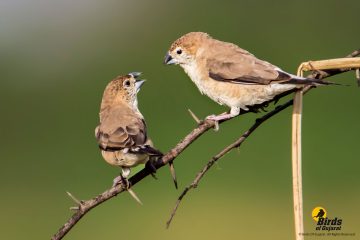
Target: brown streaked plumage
(230, 75)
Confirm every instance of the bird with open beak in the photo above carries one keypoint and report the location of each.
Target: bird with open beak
(230, 75)
(122, 134)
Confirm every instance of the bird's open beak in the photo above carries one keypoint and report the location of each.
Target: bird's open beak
(168, 59)
(138, 84)
(135, 74)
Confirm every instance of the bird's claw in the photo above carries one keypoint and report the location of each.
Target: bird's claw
(211, 117)
(121, 180)
(216, 121)
(116, 181)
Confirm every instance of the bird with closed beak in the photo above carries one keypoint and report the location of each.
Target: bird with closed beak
(122, 134)
(230, 75)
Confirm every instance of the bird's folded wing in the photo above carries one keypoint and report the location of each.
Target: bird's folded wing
(230, 63)
(149, 150)
(121, 128)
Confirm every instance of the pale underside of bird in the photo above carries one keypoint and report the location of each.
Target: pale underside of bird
(230, 75)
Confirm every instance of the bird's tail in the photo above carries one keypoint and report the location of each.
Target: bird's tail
(154, 152)
(311, 81)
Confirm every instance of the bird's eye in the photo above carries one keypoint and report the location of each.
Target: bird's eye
(127, 83)
(179, 51)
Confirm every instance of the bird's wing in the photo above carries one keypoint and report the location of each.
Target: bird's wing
(227, 62)
(150, 150)
(121, 128)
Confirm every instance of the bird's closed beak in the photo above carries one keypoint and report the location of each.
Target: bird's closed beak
(168, 59)
(138, 84)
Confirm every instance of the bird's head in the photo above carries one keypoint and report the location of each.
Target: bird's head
(124, 88)
(183, 51)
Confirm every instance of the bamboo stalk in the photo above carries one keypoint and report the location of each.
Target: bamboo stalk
(336, 63)
(296, 166)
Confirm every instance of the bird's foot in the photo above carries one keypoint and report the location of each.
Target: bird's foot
(121, 180)
(221, 117)
(218, 118)
(216, 122)
(117, 181)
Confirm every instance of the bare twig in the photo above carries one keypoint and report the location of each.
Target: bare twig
(87, 205)
(178, 203)
(243, 137)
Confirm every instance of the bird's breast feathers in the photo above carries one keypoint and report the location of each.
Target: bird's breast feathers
(193, 71)
(124, 158)
(206, 85)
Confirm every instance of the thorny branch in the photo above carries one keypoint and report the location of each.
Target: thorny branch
(84, 206)
(227, 149)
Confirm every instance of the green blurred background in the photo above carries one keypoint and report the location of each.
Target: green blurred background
(56, 57)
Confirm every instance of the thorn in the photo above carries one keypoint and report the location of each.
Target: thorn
(74, 208)
(217, 166)
(173, 174)
(125, 184)
(216, 126)
(357, 73)
(238, 149)
(197, 120)
(77, 201)
(132, 193)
